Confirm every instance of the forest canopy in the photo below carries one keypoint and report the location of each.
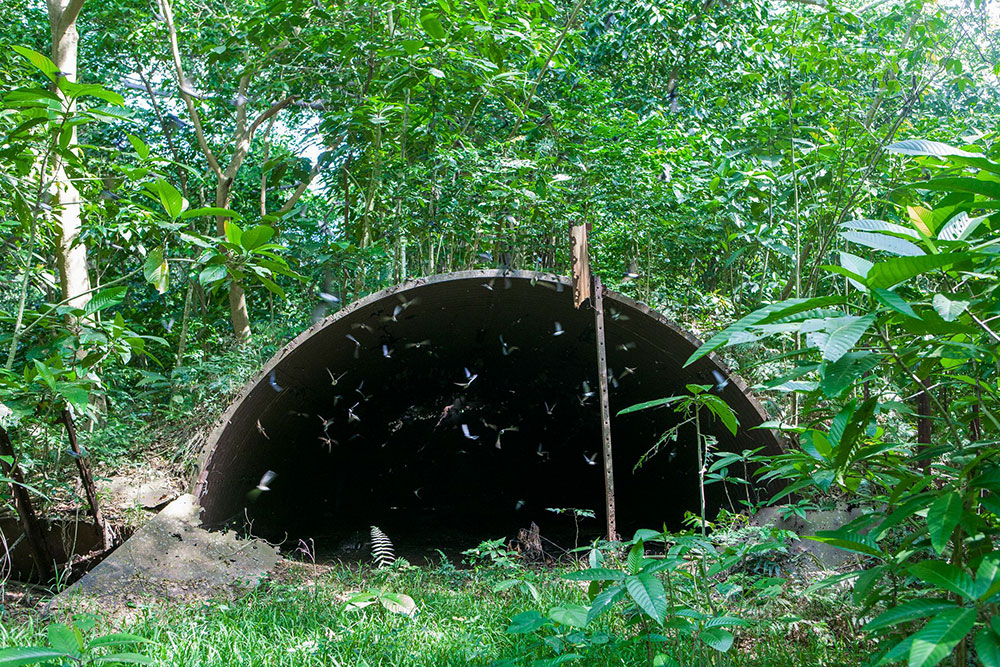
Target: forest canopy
(811, 186)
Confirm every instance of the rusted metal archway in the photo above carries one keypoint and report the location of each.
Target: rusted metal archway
(463, 397)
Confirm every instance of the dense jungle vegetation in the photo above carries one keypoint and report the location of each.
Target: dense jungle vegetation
(811, 186)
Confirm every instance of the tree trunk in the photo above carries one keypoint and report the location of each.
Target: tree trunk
(22, 502)
(71, 255)
(87, 480)
(237, 295)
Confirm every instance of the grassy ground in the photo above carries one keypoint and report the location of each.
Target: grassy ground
(301, 617)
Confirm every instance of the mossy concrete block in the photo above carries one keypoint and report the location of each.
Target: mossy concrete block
(172, 558)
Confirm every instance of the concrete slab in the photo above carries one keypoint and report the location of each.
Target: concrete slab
(825, 556)
(171, 558)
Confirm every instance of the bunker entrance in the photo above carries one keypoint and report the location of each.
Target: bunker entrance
(458, 408)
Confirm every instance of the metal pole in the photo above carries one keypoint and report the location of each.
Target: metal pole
(602, 381)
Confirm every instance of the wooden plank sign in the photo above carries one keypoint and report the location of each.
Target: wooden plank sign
(580, 256)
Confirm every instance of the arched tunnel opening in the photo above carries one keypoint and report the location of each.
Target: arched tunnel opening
(463, 407)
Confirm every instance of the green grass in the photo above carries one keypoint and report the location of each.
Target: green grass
(303, 620)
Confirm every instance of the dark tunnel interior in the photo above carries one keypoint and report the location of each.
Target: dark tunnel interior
(459, 408)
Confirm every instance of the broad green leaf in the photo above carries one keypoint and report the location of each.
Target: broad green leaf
(42, 62)
(840, 375)
(557, 661)
(988, 576)
(650, 404)
(816, 444)
(728, 621)
(961, 227)
(883, 242)
(924, 148)
(78, 396)
(945, 576)
(894, 271)
(635, 557)
(848, 541)
(171, 199)
(212, 274)
(45, 373)
(717, 638)
(573, 615)
(936, 640)
(897, 652)
(832, 580)
(105, 299)
(905, 511)
(760, 316)
(988, 647)
(647, 592)
(528, 621)
(156, 271)
(271, 286)
(604, 600)
(923, 219)
(856, 279)
(921, 147)
(117, 639)
(63, 638)
(256, 236)
(892, 300)
(141, 149)
(411, 46)
(858, 267)
(990, 502)
(976, 186)
(908, 611)
(28, 655)
(843, 333)
(988, 479)
(124, 659)
(77, 90)
(942, 517)
(880, 226)
(212, 211)
(432, 25)
(233, 232)
(596, 574)
(948, 310)
(399, 603)
(720, 409)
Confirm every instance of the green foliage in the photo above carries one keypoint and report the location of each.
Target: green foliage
(937, 537)
(68, 644)
(671, 595)
(810, 174)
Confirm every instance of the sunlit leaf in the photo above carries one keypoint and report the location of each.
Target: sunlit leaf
(948, 310)
(893, 271)
(942, 518)
(940, 636)
(908, 611)
(156, 271)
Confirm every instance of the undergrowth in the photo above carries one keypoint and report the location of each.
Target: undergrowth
(303, 617)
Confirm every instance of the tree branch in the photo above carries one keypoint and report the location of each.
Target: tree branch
(299, 191)
(241, 106)
(168, 18)
(70, 13)
(815, 3)
(545, 68)
(275, 108)
(243, 139)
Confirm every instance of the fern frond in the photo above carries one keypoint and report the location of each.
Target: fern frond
(382, 550)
